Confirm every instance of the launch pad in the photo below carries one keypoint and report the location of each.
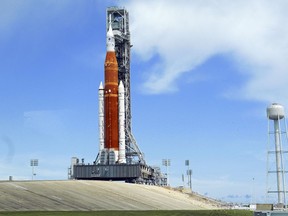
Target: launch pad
(130, 173)
(119, 157)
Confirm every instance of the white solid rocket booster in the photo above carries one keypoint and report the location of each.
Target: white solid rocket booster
(121, 97)
(101, 117)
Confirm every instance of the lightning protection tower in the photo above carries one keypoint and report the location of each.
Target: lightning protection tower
(277, 136)
(120, 27)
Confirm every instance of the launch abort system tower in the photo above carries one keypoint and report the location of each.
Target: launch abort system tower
(119, 156)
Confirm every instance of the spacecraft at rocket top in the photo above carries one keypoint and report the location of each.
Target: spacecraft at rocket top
(111, 109)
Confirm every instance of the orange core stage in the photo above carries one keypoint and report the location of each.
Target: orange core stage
(111, 102)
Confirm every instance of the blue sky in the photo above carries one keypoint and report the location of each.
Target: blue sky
(202, 75)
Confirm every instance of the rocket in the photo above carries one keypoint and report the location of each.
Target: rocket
(111, 109)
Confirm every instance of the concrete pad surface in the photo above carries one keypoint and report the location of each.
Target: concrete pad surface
(73, 195)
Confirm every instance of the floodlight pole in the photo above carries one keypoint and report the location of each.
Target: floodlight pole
(167, 163)
(32, 173)
(33, 163)
(189, 174)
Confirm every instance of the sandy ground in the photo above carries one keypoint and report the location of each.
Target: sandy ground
(93, 196)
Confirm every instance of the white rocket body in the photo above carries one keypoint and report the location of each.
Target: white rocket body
(101, 117)
(121, 97)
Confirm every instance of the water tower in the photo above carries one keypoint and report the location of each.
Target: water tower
(275, 113)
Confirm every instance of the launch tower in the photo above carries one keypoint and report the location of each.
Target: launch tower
(120, 26)
(119, 156)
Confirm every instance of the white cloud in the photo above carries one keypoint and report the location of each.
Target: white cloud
(184, 34)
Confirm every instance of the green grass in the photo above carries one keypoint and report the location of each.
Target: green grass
(132, 213)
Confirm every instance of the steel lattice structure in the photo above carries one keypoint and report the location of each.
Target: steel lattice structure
(120, 26)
